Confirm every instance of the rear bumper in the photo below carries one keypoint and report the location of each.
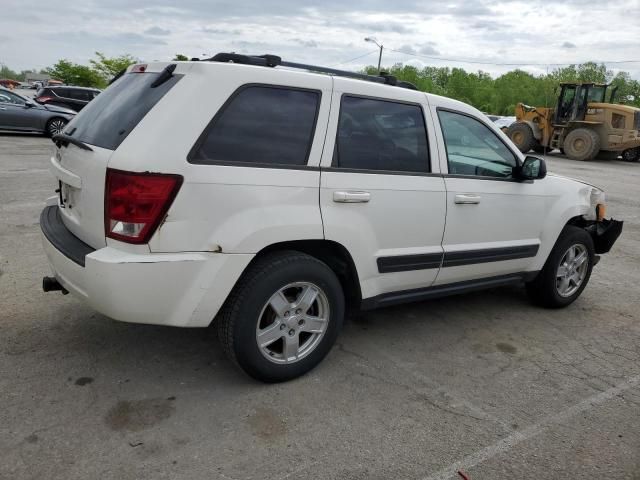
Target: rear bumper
(176, 289)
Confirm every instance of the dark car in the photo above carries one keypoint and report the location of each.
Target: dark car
(74, 98)
(22, 114)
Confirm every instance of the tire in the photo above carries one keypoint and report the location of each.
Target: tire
(55, 125)
(582, 144)
(547, 289)
(631, 154)
(522, 136)
(248, 313)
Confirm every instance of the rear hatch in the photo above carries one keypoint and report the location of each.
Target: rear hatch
(83, 152)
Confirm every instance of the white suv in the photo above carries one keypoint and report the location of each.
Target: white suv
(271, 197)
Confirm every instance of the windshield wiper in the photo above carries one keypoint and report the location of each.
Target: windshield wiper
(62, 139)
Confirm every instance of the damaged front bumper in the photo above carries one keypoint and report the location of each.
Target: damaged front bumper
(604, 233)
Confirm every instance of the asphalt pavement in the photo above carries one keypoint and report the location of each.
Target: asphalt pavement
(483, 383)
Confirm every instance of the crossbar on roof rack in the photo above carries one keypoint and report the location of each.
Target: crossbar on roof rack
(276, 61)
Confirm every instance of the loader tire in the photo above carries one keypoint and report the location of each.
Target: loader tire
(582, 144)
(522, 136)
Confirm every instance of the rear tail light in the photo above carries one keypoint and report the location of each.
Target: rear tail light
(43, 99)
(136, 203)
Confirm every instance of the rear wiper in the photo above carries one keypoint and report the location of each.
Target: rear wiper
(62, 139)
(165, 75)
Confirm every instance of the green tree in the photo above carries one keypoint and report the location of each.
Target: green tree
(180, 58)
(6, 72)
(75, 74)
(109, 67)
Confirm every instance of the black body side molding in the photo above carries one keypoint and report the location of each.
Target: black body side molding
(405, 263)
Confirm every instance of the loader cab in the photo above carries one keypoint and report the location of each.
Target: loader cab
(574, 99)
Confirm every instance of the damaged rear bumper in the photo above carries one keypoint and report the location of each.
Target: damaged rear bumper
(604, 233)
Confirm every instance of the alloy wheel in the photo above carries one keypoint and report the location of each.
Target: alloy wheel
(572, 270)
(292, 322)
(56, 127)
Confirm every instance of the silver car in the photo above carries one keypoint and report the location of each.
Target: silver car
(18, 113)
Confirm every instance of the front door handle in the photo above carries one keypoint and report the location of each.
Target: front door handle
(351, 196)
(467, 199)
(3, 108)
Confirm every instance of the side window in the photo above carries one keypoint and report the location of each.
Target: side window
(8, 97)
(473, 148)
(261, 124)
(381, 135)
(82, 95)
(77, 94)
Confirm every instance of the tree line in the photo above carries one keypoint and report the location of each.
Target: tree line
(492, 95)
(500, 95)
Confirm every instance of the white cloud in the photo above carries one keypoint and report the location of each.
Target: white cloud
(329, 32)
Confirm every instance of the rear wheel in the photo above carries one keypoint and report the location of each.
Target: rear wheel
(522, 136)
(631, 154)
(582, 144)
(282, 317)
(55, 126)
(567, 270)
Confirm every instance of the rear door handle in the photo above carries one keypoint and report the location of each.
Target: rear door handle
(467, 199)
(3, 108)
(351, 196)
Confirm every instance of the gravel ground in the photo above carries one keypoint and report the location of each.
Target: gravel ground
(484, 383)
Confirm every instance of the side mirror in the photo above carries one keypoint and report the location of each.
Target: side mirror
(533, 168)
(29, 104)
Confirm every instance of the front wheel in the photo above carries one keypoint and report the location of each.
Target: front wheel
(55, 126)
(566, 271)
(582, 144)
(282, 317)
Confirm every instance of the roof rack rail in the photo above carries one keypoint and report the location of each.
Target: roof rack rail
(276, 61)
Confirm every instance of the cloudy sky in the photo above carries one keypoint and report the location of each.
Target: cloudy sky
(331, 32)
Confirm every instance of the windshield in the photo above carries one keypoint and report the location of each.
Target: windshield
(109, 118)
(596, 94)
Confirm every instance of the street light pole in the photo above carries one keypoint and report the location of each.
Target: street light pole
(381, 47)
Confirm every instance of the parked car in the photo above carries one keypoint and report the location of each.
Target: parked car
(289, 197)
(22, 114)
(75, 98)
(503, 122)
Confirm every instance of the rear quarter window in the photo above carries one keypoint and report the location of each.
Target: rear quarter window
(261, 125)
(109, 118)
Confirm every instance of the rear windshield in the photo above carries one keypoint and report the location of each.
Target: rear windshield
(111, 116)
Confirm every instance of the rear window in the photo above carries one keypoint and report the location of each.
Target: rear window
(111, 116)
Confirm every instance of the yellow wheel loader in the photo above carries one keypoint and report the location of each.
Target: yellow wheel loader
(582, 125)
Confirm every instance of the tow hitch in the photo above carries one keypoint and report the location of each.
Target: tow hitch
(51, 284)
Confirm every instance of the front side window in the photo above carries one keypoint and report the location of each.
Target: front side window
(261, 125)
(8, 97)
(381, 135)
(473, 148)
